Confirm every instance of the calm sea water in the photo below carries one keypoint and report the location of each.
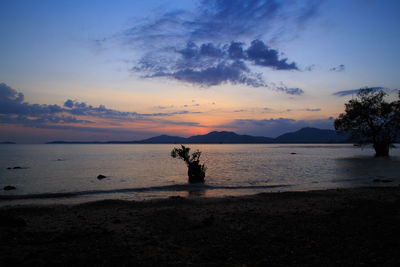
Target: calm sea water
(68, 173)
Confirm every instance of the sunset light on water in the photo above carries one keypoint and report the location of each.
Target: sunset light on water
(199, 133)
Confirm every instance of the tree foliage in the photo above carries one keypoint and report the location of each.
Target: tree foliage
(371, 120)
(196, 171)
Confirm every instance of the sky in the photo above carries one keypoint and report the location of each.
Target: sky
(128, 70)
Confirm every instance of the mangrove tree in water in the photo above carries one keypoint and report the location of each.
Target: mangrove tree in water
(371, 120)
(196, 171)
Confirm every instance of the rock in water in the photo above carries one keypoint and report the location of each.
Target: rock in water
(9, 187)
(377, 180)
(16, 168)
(100, 176)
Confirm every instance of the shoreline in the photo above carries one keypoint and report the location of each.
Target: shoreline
(347, 227)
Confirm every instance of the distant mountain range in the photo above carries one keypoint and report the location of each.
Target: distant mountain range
(304, 135)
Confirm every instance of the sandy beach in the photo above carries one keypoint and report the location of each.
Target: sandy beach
(343, 227)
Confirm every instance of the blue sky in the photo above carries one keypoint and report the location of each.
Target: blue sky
(188, 67)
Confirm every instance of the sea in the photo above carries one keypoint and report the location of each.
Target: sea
(67, 173)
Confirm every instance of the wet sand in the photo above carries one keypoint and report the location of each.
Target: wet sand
(344, 227)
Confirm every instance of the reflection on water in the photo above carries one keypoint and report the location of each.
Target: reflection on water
(148, 171)
(355, 169)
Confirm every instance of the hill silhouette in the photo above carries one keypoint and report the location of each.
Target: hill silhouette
(312, 135)
(304, 135)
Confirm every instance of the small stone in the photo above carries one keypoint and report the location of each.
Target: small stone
(377, 180)
(293, 153)
(100, 176)
(9, 187)
(117, 221)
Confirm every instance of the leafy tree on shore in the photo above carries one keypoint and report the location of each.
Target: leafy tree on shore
(371, 120)
(196, 171)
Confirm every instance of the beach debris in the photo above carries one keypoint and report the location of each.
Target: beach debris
(9, 187)
(378, 180)
(101, 176)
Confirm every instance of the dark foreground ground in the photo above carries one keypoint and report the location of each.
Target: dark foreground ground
(349, 227)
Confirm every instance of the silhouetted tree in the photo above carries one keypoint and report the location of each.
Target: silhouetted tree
(371, 120)
(196, 171)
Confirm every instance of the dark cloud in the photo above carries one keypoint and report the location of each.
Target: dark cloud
(235, 51)
(14, 111)
(9, 94)
(81, 108)
(355, 91)
(313, 109)
(233, 72)
(223, 21)
(209, 65)
(11, 102)
(69, 103)
(288, 90)
(261, 55)
(209, 50)
(276, 127)
(40, 121)
(205, 46)
(339, 68)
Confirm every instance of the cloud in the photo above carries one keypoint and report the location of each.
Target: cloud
(235, 73)
(313, 109)
(205, 46)
(339, 68)
(310, 67)
(7, 93)
(208, 64)
(355, 91)
(81, 108)
(165, 107)
(14, 111)
(261, 55)
(42, 120)
(11, 102)
(223, 21)
(275, 127)
(288, 90)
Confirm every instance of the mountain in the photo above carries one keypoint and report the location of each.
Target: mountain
(7, 143)
(305, 135)
(312, 135)
(164, 139)
(228, 138)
